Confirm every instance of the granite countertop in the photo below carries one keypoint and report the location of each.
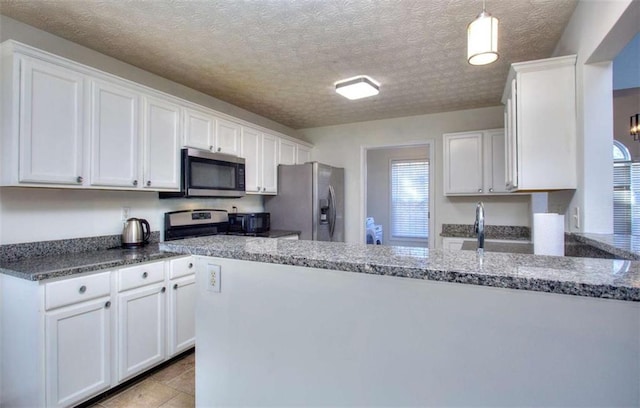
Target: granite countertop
(505, 232)
(623, 246)
(600, 278)
(53, 266)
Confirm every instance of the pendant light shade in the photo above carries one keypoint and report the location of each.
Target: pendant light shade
(482, 39)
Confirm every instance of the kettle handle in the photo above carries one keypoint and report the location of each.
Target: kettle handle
(146, 229)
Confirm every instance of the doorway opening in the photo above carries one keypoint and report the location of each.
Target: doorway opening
(397, 205)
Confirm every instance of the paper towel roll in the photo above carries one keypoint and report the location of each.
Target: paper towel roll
(548, 234)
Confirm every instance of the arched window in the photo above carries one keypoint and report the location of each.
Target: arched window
(626, 192)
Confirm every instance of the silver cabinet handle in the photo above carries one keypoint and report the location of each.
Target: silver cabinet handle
(491, 190)
(135, 182)
(79, 179)
(148, 183)
(144, 275)
(479, 190)
(82, 289)
(163, 289)
(175, 286)
(190, 265)
(211, 148)
(107, 305)
(264, 189)
(219, 149)
(258, 188)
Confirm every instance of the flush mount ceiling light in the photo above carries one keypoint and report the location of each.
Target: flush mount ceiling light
(482, 39)
(357, 87)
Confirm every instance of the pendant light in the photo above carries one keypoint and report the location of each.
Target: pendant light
(482, 39)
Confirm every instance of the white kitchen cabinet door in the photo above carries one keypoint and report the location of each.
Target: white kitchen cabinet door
(161, 153)
(463, 163)
(51, 124)
(199, 129)
(269, 164)
(114, 135)
(78, 351)
(287, 152)
(227, 137)
(181, 310)
(141, 329)
(540, 111)
(303, 154)
(494, 165)
(251, 151)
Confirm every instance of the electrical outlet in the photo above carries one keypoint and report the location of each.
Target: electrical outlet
(214, 276)
(125, 213)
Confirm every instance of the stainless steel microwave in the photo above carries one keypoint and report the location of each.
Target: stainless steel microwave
(206, 174)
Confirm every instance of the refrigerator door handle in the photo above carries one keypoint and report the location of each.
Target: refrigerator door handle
(332, 211)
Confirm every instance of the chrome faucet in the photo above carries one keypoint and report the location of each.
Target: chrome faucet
(479, 226)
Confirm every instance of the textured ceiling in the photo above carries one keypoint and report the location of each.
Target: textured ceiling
(280, 58)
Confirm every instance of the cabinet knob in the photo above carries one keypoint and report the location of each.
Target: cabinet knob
(107, 305)
(82, 289)
(135, 182)
(258, 188)
(79, 179)
(190, 265)
(144, 275)
(491, 190)
(479, 190)
(164, 289)
(264, 189)
(211, 148)
(219, 149)
(175, 286)
(149, 183)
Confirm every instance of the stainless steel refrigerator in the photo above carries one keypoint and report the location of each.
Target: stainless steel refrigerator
(310, 200)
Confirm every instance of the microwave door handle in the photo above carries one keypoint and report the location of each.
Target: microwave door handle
(332, 212)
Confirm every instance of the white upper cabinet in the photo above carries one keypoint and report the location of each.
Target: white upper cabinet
(303, 154)
(198, 129)
(269, 164)
(114, 135)
(474, 162)
(68, 125)
(51, 123)
(161, 126)
(540, 121)
(287, 152)
(260, 151)
(227, 137)
(204, 130)
(463, 163)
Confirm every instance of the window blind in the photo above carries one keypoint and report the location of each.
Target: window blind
(626, 198)
(410, 199)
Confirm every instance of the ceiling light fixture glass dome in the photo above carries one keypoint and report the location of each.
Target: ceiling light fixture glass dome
(482, 39)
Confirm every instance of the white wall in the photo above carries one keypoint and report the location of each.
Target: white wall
(597, 32)
(41, 214)
(342, 146)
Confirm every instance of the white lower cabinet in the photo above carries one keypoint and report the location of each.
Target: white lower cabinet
(77, 349)
(141, 328)
(73, 338)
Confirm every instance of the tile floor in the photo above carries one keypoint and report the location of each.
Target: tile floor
(172, 386)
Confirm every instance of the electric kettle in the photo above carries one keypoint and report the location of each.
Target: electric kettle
(136, 233)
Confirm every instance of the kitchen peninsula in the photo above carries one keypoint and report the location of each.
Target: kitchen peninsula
(316, 323)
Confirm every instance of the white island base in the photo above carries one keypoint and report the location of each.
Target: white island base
(279, 335)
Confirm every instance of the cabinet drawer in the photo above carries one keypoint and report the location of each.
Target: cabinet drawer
(74, 290)
(181, 267)
(140, 275)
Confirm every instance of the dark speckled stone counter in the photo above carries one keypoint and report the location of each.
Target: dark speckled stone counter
(620, 246)
(54, 266)
(505, 232)
(600, 278)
